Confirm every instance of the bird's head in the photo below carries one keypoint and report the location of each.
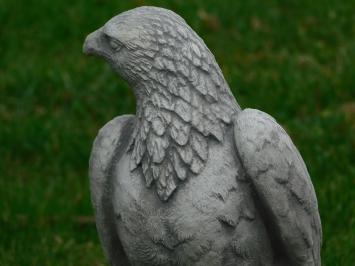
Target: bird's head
(131, 40)
(181, 94)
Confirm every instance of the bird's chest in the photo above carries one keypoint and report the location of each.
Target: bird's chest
(193, 225)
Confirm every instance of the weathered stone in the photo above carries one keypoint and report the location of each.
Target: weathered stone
(192, 179)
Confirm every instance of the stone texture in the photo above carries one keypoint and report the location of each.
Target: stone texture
(192, 179)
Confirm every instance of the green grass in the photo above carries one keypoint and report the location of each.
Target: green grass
(292, 59)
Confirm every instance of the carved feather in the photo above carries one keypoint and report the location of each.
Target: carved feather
(282, 183)
(186, 101)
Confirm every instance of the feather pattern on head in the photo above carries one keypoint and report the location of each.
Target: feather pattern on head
(183, 100)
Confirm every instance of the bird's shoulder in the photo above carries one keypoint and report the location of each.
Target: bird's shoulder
(267, 151)
(113, 134)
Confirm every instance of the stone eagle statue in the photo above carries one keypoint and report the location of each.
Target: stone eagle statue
(192, 179)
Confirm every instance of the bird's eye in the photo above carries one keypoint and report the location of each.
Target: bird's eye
(115, 45)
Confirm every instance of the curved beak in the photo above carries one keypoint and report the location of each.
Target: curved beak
(93, 43)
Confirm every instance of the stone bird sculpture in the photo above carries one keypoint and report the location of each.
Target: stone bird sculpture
(192, 179)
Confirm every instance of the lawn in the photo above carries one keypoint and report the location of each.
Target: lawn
(292, 59)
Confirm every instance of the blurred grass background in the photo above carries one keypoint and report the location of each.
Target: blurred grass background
(292, 59)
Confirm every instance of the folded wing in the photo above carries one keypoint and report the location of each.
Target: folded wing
(282, 185)
(108, 145)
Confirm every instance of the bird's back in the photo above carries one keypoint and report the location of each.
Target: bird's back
(210, 220)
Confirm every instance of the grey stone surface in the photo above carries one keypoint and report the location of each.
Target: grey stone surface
(192, 179)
